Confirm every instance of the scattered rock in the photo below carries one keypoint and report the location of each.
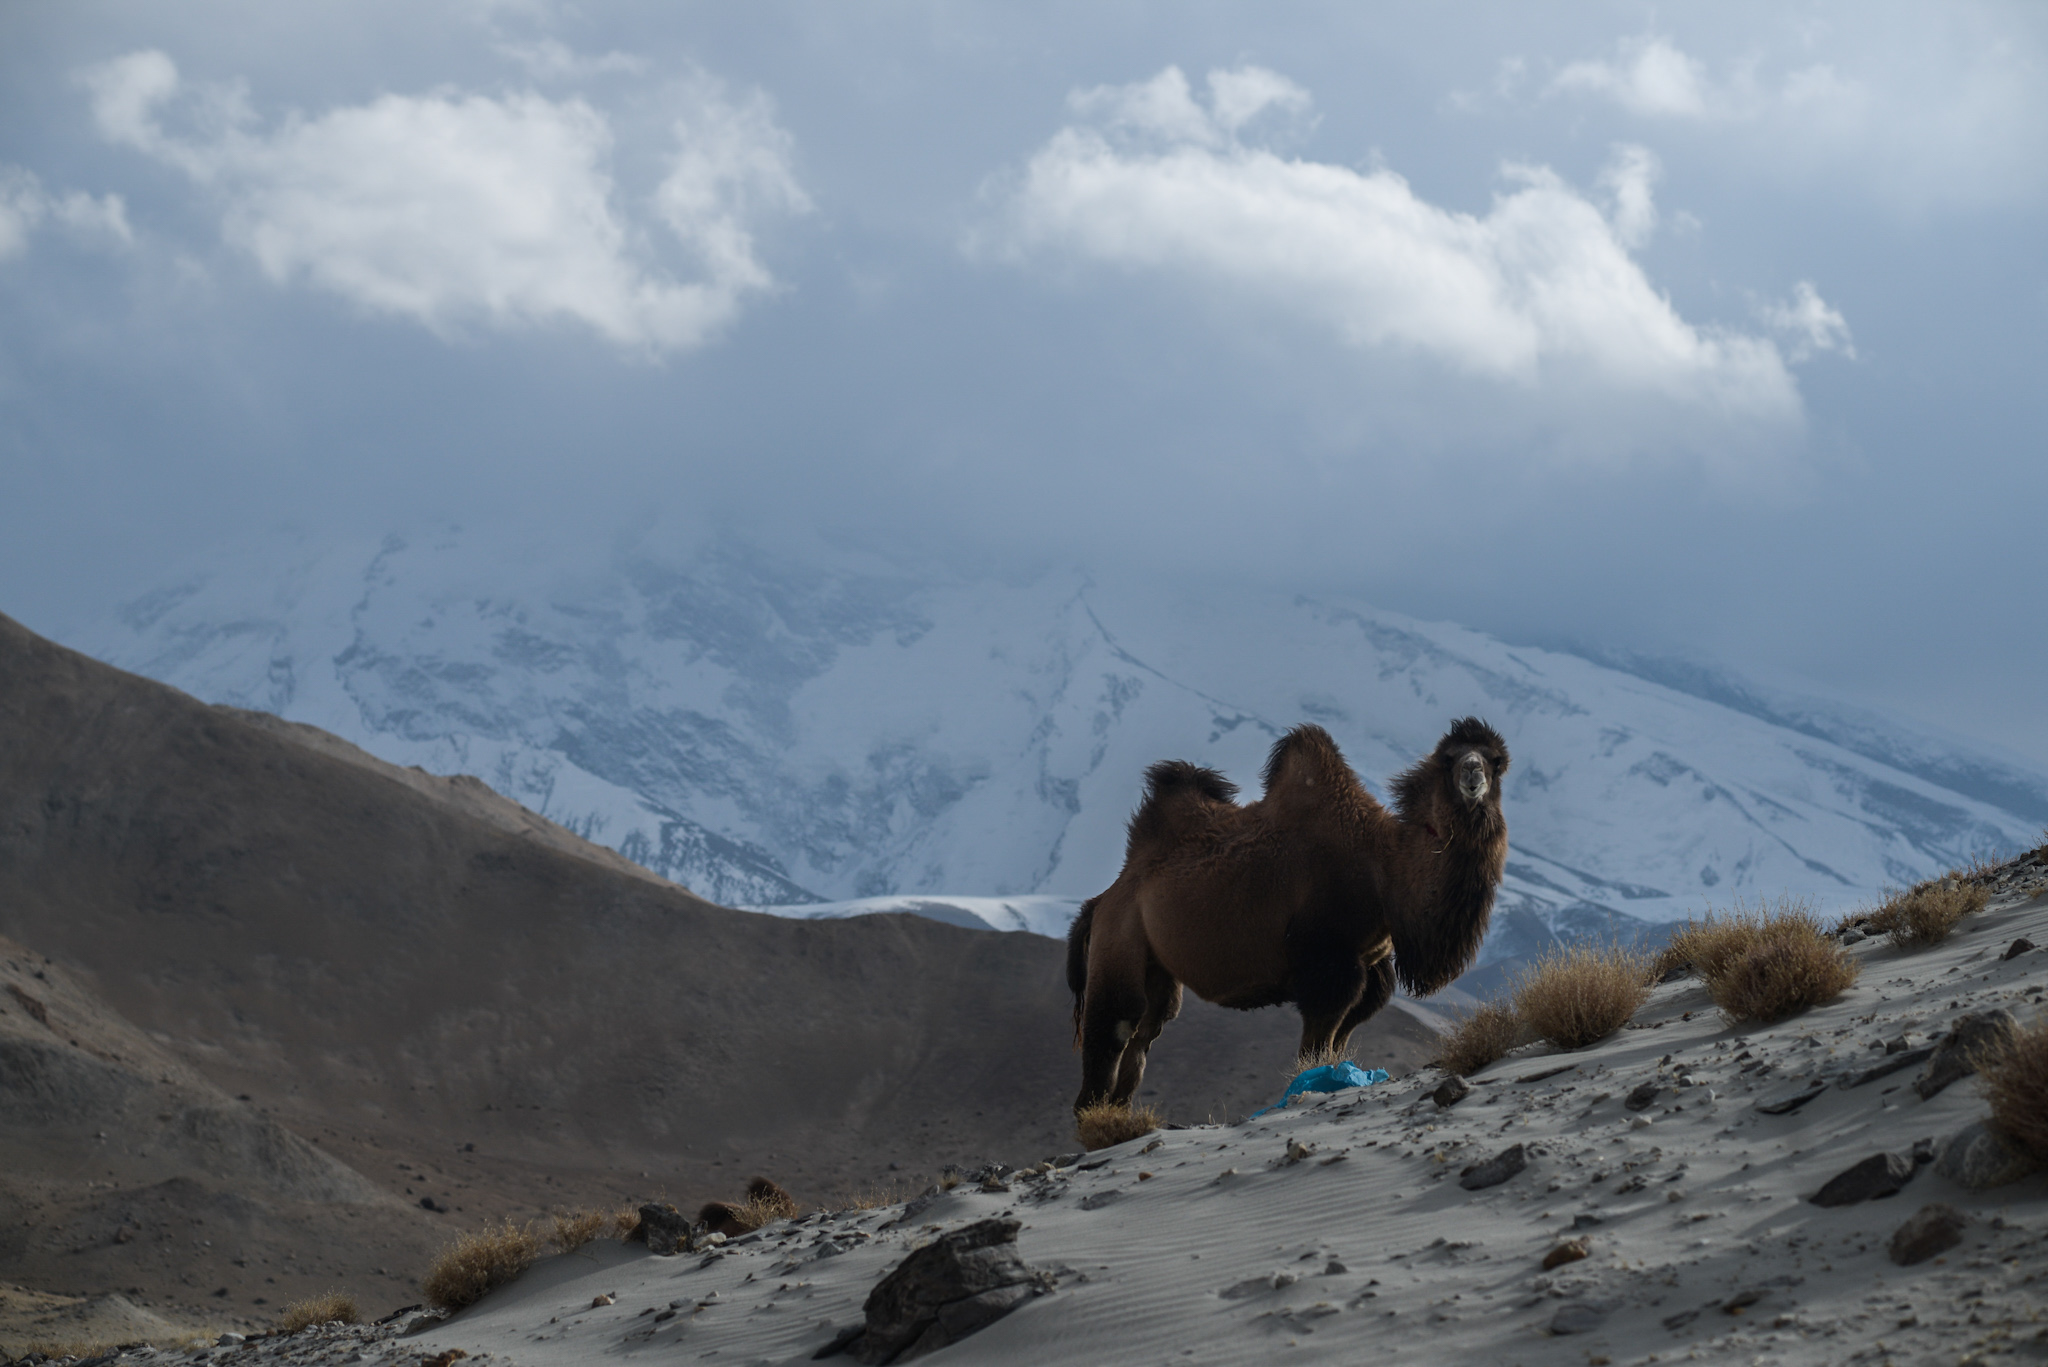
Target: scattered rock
(602, 1299)
(1642, 1096)
(1956, 1056)
(1894, 1062)
(1257, 1286)
(961, 1282)
(1453, 1090)
(1784, 1103)
(1570, 1251)
(2017, 948)
(1585, 1220)
(1097, 1200)
(1923, 1152)
(1934, 1228)
(1333, 1268)
(1896, 1045)
(1494, 1170)
(1978, 1157)
(1878, 1176)
(1580, 1317)
(1640, 1122)
(1296, 1151)
(667, 1231)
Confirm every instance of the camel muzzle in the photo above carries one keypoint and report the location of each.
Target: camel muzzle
(1472, 778)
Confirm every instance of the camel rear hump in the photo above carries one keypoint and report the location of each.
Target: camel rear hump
(1179, 797)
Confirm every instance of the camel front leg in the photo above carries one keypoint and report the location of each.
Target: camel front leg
(1379, 990)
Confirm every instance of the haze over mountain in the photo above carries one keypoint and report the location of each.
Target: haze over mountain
(782, 729)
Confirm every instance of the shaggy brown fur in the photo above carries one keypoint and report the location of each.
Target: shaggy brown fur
(764, 1199)
(1315, 894)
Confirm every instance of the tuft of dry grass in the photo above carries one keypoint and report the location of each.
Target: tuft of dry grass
(764, 1208)
(895, 1193)
(1322, 1058)
(1481, 1038)
(573, 1229)
(1925, 914)
(333, 1307)
(2015, 1075)
(1580, 995)
(1104, 1124)
(1776, 967)
(479, 1263)
(1709, 945)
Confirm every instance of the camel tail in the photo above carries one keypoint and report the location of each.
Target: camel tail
(1077, 959)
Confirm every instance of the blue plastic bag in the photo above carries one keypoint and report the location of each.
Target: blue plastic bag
(1330, 1077)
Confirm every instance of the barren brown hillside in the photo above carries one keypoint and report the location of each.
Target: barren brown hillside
(399, 967)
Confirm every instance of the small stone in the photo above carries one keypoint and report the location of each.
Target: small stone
(1577, 1318)
(664, 1229)
(1935, 1228)
(230, 1338)
(1640, 1122)
(1097, 1200)
(1878, 1176)
(1895, 1045)
(1333, 1268)
(1450, 1092)
(1956, 1056)
(1784, 1103)
(1642, 1096)
(602, 1299)
(1494, 1170)
(1585, 1220)
(1296, 1150)
(1978, 1157)
(2017, 948)
(957, 1284)
(1894, 1062)
(1570, 1251)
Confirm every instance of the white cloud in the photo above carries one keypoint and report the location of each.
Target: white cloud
(1629, 178)
(1540, 289)
(1811, 323)
(460, 211)
(25, 206)
(550, 59)
(1648, 76)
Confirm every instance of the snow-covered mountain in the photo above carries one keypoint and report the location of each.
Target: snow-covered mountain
(789, 731)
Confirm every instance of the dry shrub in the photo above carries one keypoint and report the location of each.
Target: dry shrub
(573, 1229)
(479, 1263)
(1579, 996)
(1324, 1057)
(334, 1307)
(1786, 964)
(763, 1208)
(895, 1193)
(1709, 945)
(2015, 1074)
(1481, 1038)
(1105, 1123)
(1927, 913)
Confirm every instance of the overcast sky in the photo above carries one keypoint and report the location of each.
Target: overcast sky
(1714, 329)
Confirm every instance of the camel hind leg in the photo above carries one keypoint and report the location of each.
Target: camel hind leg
(1162, 1004)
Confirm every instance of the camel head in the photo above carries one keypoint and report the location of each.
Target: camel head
(1457, 787)
(1450, 802)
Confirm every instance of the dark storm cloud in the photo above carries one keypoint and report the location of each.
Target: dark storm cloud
(1714, 330)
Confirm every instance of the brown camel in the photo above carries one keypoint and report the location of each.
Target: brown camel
(1315, 894)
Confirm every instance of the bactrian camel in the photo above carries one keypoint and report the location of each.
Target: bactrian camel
(1315, 894)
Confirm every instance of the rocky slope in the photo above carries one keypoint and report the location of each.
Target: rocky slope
(463, 1002)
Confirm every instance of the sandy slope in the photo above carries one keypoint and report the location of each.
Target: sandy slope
(1368, 1248)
